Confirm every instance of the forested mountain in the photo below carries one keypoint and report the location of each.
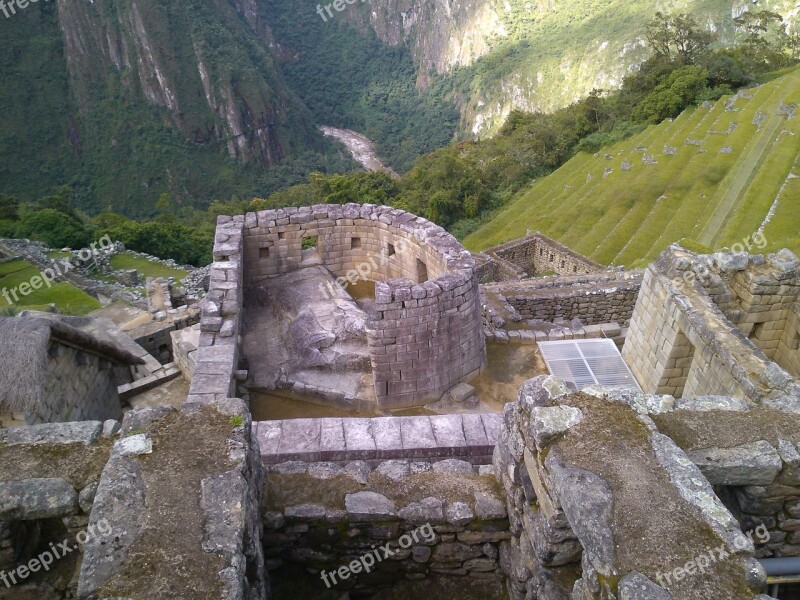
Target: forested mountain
(127, 101)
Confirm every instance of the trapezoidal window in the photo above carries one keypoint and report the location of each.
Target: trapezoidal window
(263, 253)
(310, 249)
(390, 251)
(681, 359)
(758, 329)
(422, 272)
(355, 243)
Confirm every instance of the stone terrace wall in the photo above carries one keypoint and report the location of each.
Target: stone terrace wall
(425, 335)
(217, 358)
(594, 299)
(537, 254)
(451, 528)
(682, 343)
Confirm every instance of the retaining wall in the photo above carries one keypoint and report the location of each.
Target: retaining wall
(420, 530)
(594, 299)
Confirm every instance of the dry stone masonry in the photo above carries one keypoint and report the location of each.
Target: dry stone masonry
(442, 518)
(576, 469)
(425, 333)
(706, 325)
(532, 256)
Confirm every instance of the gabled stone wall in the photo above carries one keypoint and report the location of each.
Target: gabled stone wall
(79, 386)
(700, 324)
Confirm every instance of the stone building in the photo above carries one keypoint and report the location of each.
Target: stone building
(421, 333)
(690, 489)
(718, 324)
(535, 255)
(52, 372)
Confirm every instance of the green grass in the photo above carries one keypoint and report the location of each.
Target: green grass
(145, 267)
(699, 195)
(67, 298)
(55, 254)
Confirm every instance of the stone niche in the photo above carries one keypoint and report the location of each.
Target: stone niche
(424, 331)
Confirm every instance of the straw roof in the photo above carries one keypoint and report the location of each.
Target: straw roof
(24, 346)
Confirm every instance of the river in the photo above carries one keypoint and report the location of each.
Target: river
(361, 147)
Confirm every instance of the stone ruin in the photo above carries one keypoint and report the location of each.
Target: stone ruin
(420, 335)
(678, 492)
(51, 372)
(535, 255)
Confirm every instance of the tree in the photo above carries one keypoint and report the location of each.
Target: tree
(677, 37)
(60, 202)
(9, 208)
(54, 228)
(673, 95)
(767, 40)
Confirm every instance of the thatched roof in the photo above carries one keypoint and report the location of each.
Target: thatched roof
(24, 346)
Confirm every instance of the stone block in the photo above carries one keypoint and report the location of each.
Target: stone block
(751, 464)
(369, 507)
(30, 499)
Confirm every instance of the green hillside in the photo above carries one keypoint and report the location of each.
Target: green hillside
(714, 176)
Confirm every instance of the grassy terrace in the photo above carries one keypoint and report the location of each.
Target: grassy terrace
(698, 194)
(145, 267)
(67, 298)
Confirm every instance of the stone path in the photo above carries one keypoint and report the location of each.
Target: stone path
(471, 437)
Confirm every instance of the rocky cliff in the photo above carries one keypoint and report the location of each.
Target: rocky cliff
(532, 54)
(199, 63)
(127, 100)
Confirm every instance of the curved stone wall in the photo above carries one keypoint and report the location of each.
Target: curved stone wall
(426, 334)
